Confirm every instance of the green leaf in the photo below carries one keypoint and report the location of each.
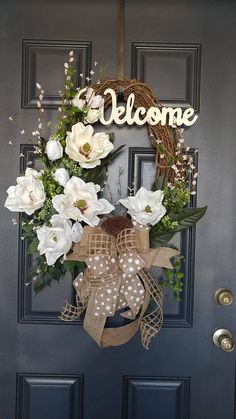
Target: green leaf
(97, 175)
(158, 239)
(42, 282)
(160, 183)
(70, 265)
(188, 217)
(39, 286)
(33, 246)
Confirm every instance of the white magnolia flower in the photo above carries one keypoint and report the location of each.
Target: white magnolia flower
(28, 195)
(77, 231)
(77, 101)
(91, 100)
(80, 202)
(146, 206)
(92, 116)
(85, 147)
(54, 150)
(56, 240)
(61, 176)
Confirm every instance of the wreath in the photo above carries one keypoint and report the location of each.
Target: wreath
(71, 226)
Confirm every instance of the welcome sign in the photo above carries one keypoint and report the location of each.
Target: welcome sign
(140, 116)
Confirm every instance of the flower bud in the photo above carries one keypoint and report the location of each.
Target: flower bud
(77, 231)
(92, 116)
(61, 176)
(54, 150)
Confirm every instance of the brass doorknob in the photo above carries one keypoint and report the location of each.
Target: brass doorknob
(224, 297)
(223, 339)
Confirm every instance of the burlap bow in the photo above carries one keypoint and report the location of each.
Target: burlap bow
(117, 277)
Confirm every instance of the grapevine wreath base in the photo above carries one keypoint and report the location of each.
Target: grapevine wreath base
(69, 226)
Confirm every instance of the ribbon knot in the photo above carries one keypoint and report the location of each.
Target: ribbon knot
(117, 278)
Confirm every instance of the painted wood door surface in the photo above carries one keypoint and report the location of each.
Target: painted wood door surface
(185, 50)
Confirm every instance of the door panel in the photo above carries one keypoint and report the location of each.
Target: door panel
(42, 60)
(49, 397)
(142, 395)
(172, 69)
(185, 51)
(141, 163)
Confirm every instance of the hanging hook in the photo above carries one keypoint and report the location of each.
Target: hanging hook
(121, 40)
(120, 94)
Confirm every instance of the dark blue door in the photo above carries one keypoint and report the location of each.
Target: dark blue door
(185, 50)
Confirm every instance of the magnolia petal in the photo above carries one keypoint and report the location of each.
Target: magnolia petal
(77, 231)
(96, 102)
(78, 102)
(89, 165)
(51, 257)
(57, 202)
(107, 206)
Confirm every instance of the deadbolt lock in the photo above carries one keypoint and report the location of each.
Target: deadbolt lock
(224, 297)
(223, 339)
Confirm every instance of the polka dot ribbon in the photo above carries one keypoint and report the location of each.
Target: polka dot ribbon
(117, 277)
(113, 284)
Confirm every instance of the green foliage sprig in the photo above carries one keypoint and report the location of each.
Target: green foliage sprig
(43, 275)
(173, 278)
(178, 217)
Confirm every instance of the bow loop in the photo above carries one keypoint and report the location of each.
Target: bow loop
(101, 244)
(131, 263)
(133, 293)
(127, 240)
(101, 268)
